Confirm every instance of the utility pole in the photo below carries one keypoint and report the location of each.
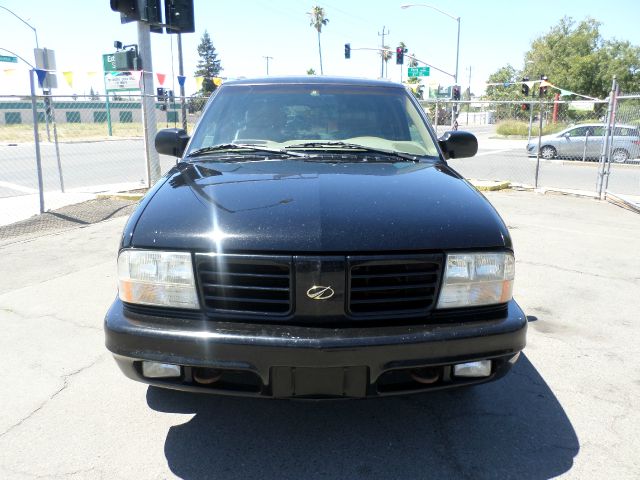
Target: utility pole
(267, 59)
(382, 53)
(183, 106)
(469, 95)
(148, 104)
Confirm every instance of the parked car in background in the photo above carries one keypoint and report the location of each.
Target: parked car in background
(585, 142)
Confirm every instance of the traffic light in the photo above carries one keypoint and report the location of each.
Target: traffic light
(179, 16)
(399, 55)
(347, 50)
(543, 89)
(137, 10)
(525, 87)
(455, 92)
(161, 94)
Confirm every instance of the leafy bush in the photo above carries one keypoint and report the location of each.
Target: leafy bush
(514, 127)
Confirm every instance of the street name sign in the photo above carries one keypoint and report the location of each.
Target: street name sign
(419, 71)
(7, 58)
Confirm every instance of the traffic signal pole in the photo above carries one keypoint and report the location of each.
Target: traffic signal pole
(183, 106)
(148, 104)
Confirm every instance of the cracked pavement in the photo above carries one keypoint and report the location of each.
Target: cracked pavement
(567, 410)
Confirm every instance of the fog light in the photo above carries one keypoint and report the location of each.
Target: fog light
(160, 370)
(481, 368)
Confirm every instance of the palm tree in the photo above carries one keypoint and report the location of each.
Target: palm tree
(318, 20)
(386, 55)
(413, 62)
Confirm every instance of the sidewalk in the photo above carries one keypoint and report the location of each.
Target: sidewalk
(21, 207)
(80, 214)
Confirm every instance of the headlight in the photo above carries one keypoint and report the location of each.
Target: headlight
(477, 279)
(157, 278)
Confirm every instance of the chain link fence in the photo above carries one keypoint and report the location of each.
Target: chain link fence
(573, 135)
(621, 175)
(86, 143)
(95, 143)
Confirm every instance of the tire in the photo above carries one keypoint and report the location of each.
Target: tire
(548, 152)
(620, 155)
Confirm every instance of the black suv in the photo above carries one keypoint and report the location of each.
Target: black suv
(313, 242)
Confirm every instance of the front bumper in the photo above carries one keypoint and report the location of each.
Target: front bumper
(287, 361)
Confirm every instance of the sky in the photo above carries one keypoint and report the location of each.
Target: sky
(493, 33)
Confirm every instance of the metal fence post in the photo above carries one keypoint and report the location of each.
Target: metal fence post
(605, 145)
(55, 140)
(612, 132)
(36, 139)
(539, 144)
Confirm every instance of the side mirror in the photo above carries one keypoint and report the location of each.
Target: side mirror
(171, 141)
(458, 144)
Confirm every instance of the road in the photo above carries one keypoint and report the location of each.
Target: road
(92, 166)
(568, 409)
(85, 165)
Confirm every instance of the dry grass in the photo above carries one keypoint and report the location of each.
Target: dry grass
(77, 132)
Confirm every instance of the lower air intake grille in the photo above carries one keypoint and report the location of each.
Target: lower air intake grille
(245, 284)
(401, 286)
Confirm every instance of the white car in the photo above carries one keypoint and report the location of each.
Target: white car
(585, 141)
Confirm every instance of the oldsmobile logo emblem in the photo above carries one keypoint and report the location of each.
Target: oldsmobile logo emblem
(318, 292)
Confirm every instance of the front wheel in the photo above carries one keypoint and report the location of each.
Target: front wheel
(547, 152)
(620, 155)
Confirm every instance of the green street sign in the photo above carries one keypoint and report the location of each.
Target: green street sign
(7, 58)
(419, 71)
(109, 62)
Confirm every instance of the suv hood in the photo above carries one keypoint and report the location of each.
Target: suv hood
(297, 206)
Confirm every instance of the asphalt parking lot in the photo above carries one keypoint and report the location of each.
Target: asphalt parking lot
(568, 409)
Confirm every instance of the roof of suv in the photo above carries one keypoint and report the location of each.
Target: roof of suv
(315, 79)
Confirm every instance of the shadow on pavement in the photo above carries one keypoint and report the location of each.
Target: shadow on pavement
(512, 428)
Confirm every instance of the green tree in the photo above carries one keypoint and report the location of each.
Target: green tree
(311, 71)
(414, 82)
(504, 75)
(416, 87)
(208, 66)
(318, 19)
(575, 57)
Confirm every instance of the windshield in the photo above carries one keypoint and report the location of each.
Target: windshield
(277, 116)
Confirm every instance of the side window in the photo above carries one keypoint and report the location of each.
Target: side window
(625, 132)
(598, 131)
(578, 132)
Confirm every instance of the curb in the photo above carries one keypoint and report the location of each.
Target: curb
(488, 186)
(120, 196)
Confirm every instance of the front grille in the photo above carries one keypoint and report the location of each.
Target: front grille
(246, 284)
(402, 286)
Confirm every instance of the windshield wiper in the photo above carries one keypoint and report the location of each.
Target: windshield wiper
(354, 147)
(241, 146)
